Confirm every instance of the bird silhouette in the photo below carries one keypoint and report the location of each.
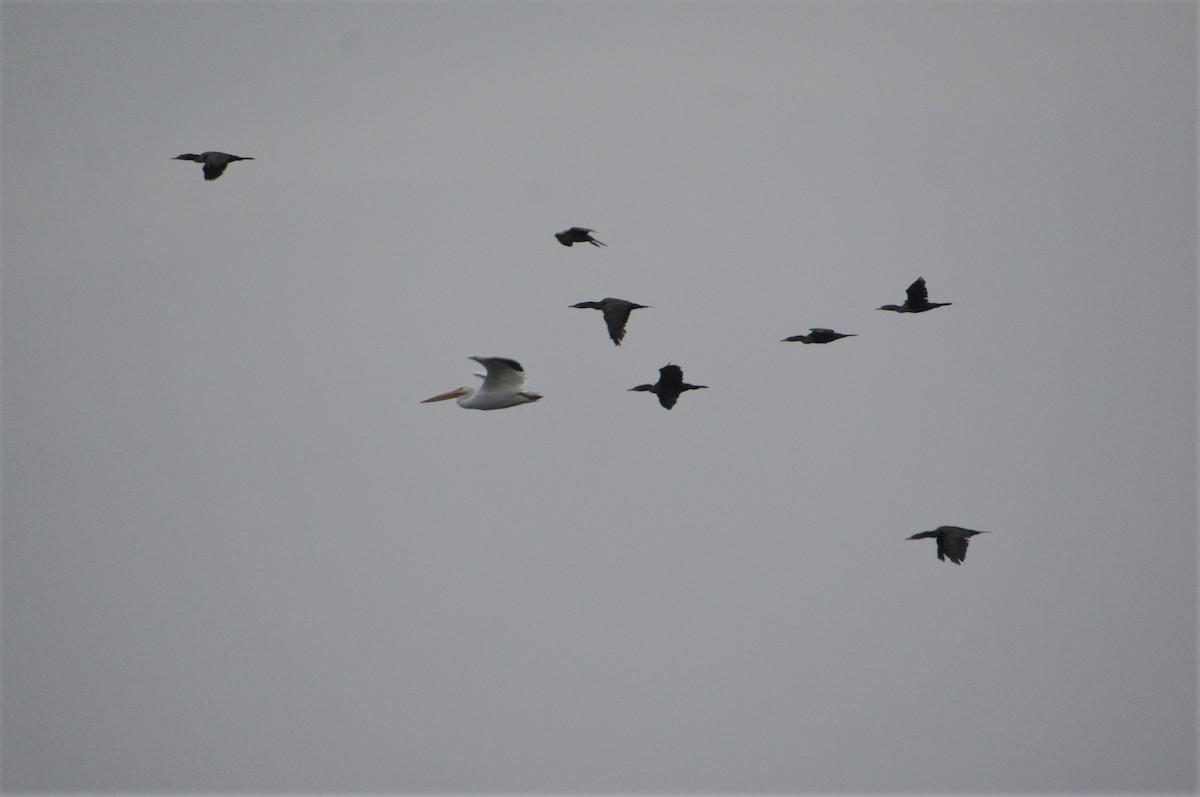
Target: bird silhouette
(819, 335)
(917, 300)
(214, 162)
(577, 235)
(616, 313)
(669, 386)
(952, 541)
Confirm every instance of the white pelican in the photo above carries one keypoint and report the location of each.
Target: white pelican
(214, 162)
(501, 387)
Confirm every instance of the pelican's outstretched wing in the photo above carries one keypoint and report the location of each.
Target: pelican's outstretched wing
(503, 374)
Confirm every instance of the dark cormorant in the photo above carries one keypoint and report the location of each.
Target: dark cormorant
(214, 162)
(616, 313)
(577, 235)
(820, 335)
(669, 385)
(917, 301)
(951, 541)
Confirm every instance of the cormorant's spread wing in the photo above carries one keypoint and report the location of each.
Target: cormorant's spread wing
(954, 547)
(670, 376)
(917, 292)
(616, 313)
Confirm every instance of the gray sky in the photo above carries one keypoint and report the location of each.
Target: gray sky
(238, 554)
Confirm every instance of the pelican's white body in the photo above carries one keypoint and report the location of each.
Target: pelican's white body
(502, 387)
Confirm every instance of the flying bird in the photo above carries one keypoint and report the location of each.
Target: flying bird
(951, 541)
(917, 301)
(669, 386)
(502, 387)
(577, 235)
(616, 313)
(214, 162)
(820, 335)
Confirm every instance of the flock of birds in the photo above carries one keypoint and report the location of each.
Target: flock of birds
(504, 379)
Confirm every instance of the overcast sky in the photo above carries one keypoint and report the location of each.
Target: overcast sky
(240, 556)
